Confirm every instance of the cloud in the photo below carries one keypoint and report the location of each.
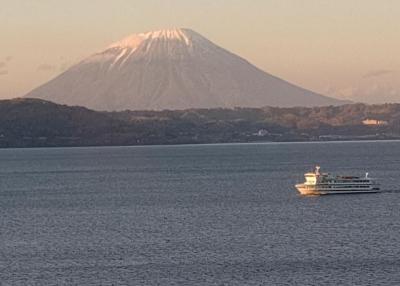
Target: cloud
(377, 73)
(3, 72)
(46, 67)
(9, 58)
(2, 64)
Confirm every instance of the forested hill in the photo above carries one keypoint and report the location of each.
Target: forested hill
(34, 123)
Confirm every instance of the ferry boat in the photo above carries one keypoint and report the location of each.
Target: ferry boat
(318, 183)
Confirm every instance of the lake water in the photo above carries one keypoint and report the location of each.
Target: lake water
(197, 215)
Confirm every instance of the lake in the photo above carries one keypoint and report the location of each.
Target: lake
(223, 214)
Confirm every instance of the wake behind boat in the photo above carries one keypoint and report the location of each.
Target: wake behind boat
(318, 183)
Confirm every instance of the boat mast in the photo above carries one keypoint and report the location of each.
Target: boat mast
(317, 168)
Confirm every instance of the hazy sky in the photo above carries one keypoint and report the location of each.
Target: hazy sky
(327, 46)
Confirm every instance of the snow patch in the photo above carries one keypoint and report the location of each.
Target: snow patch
(121, 54)
(172, 34)
(132, 41)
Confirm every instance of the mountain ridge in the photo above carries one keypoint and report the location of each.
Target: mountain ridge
(38, 123)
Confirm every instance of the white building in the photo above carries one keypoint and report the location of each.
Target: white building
(369, 121)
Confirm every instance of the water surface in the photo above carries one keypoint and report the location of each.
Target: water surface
(196, 215)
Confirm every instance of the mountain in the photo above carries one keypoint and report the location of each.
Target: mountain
(374, 87)
(171, 69)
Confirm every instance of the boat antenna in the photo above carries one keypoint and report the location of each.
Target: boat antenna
(366, 175)
(317, 170)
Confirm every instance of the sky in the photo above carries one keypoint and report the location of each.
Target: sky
(342, 48)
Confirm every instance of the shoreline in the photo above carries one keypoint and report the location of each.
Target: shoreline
(211, 144)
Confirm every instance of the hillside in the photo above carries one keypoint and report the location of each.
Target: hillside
(34, 122)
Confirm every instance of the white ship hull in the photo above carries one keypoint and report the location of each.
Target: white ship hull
(304, 190)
